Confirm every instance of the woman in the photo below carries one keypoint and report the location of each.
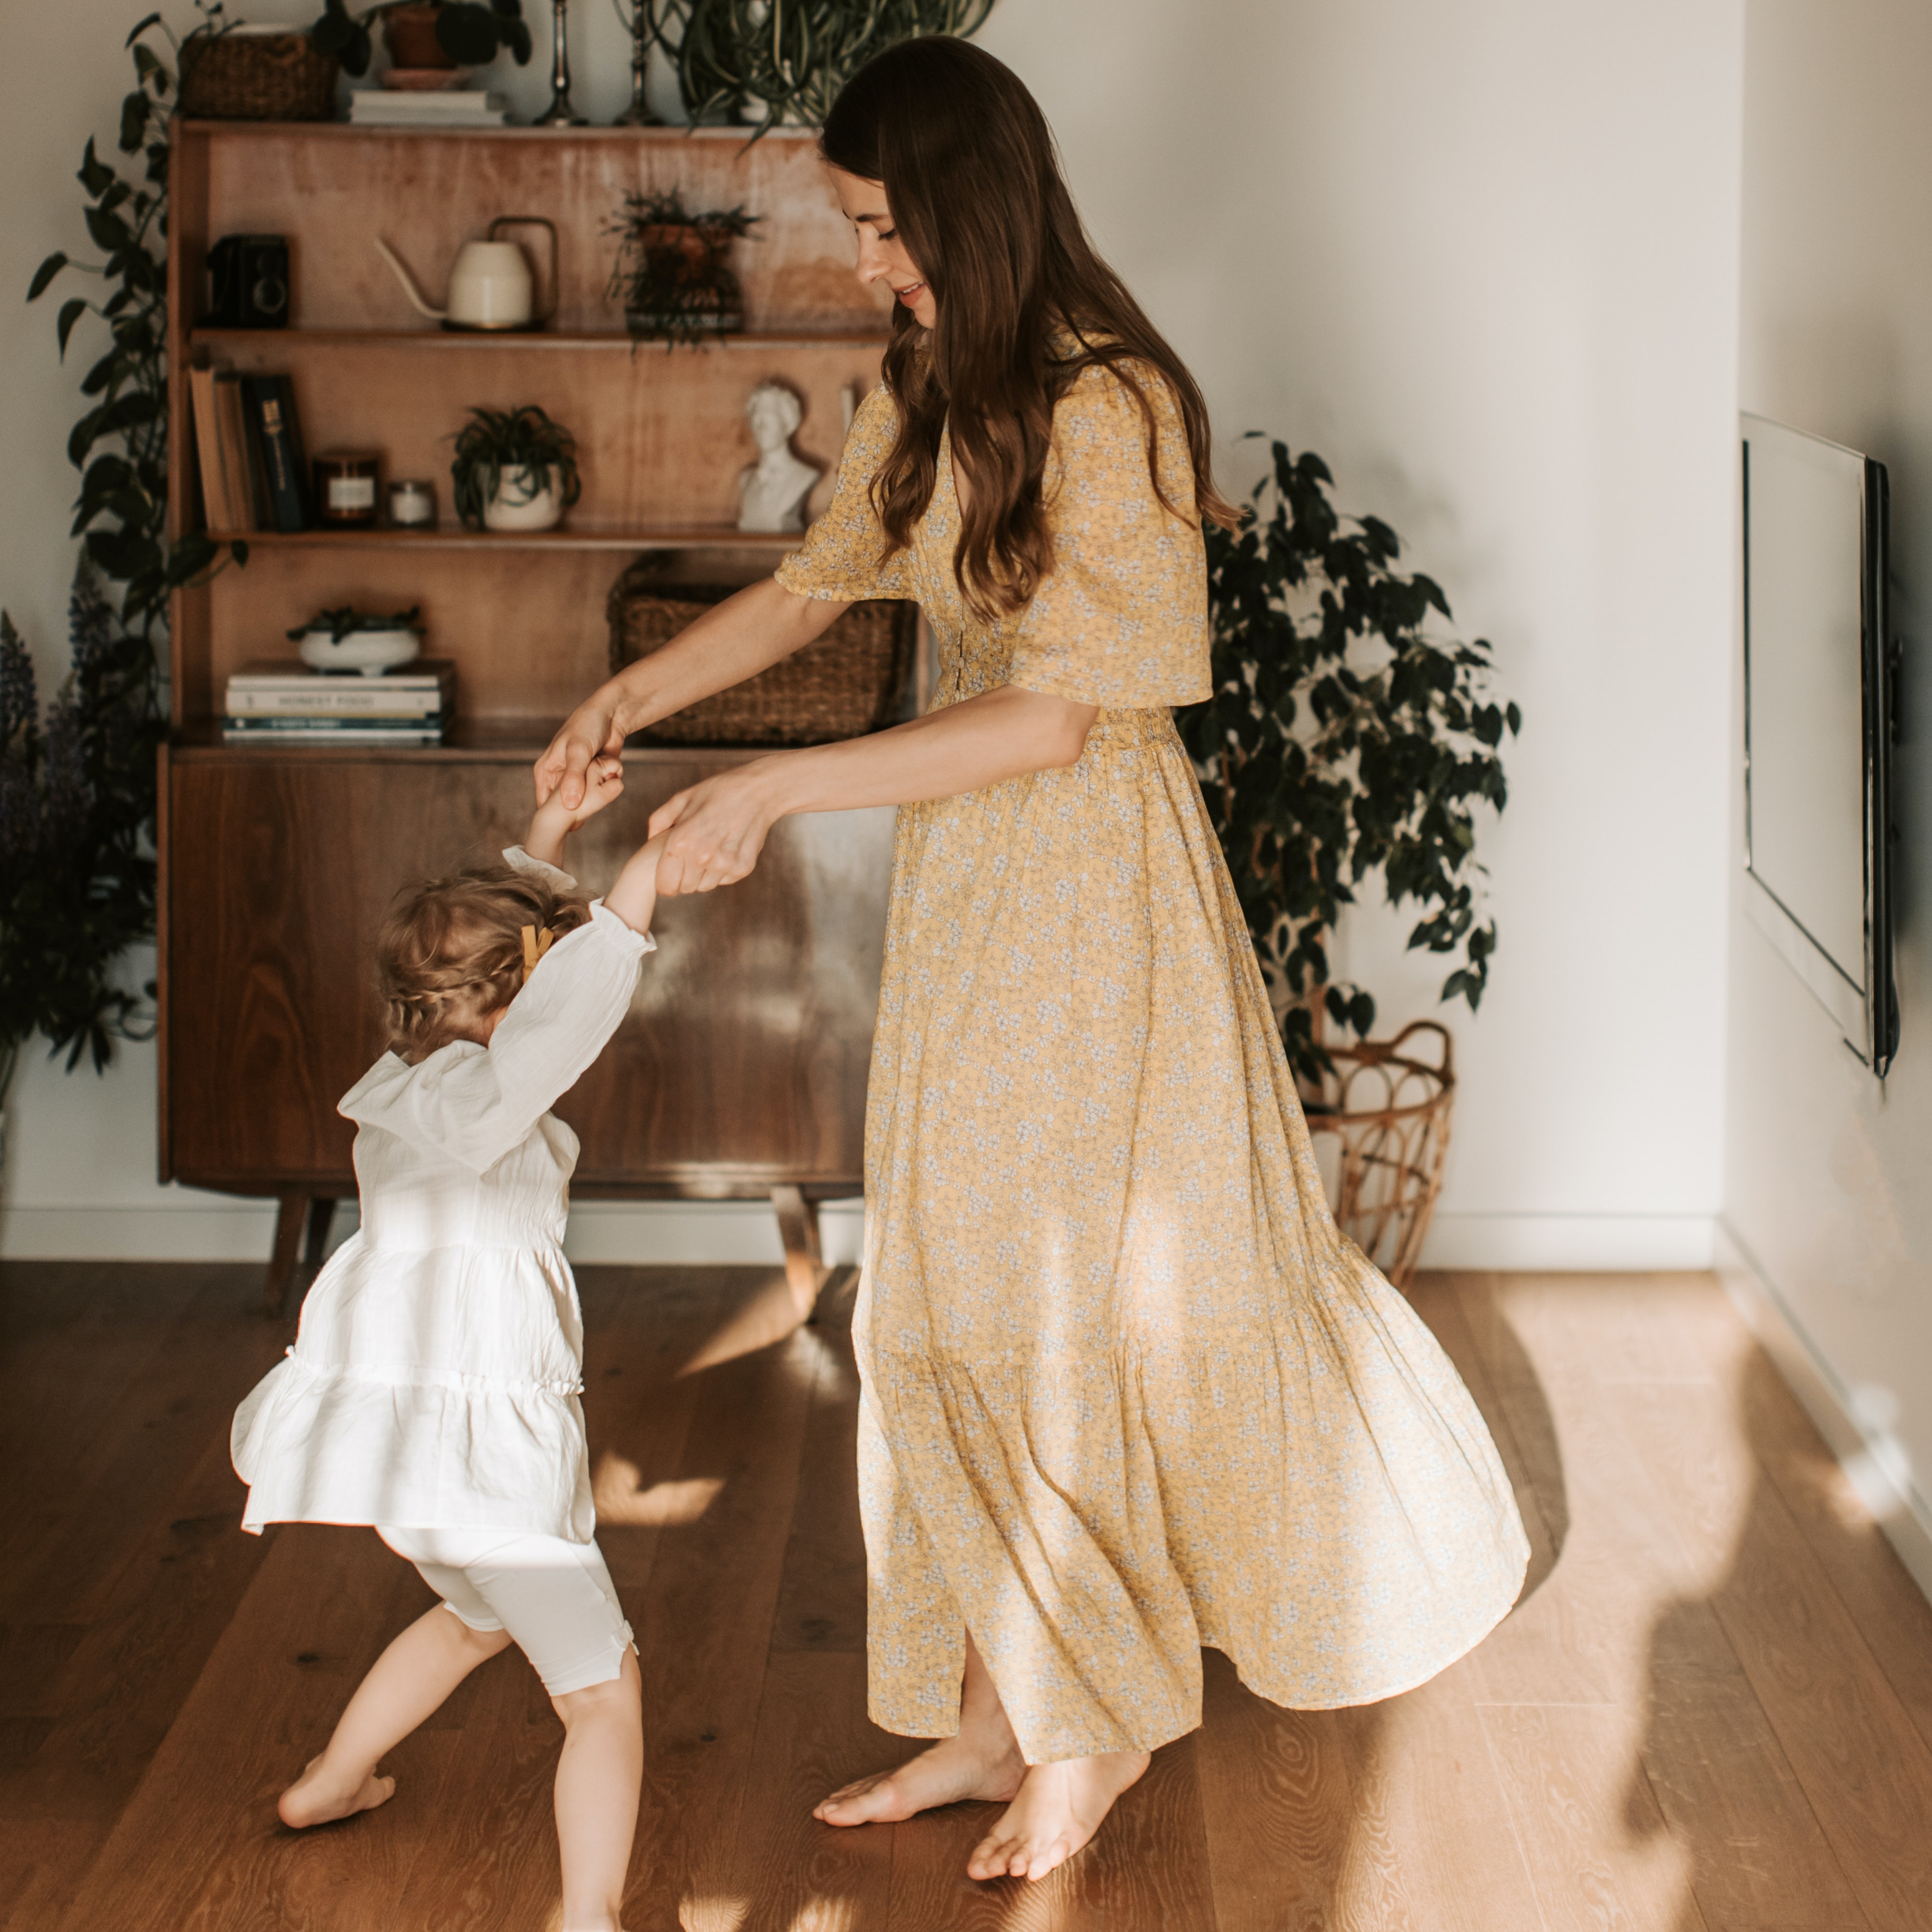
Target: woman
(1127, 1391)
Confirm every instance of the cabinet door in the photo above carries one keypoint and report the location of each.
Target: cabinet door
(742, 1062)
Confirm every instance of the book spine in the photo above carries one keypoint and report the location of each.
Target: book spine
(271, 414)
(324, 727)
(215, 513)
(231, 434)
(335, 703)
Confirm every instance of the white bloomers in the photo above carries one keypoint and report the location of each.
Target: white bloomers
(556, 1599)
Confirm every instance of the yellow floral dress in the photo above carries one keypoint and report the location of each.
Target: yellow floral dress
(1127, 1391)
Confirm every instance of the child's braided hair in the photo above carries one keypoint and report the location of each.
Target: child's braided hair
(452, 953)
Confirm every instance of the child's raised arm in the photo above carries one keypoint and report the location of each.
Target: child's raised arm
(553, 821)
(634, 898)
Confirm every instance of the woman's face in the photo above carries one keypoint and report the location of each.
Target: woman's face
(882, 254)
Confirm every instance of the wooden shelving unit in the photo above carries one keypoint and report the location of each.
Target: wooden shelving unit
(742, 1070)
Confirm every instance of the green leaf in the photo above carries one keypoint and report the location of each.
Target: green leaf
(95, 175)
(135, 108)
(109, 231)
(467, 32)
(45, 274)
(139, 27)
(70, 313)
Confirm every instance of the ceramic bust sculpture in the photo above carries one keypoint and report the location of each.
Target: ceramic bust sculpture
(772, 491)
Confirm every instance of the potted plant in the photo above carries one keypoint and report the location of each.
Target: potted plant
(424, 33)
(670, 273)
(514, 469)
(348, 639)
(1345, 739)
(784, 61)
(77, 807)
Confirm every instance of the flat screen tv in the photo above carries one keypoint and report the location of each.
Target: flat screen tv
(1818, 695)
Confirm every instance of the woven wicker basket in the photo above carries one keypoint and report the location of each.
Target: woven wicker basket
(850, 682)
(1380, 1125)
(236, 77)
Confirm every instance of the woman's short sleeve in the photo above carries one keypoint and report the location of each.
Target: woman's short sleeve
(1121, 619)
(843, 557)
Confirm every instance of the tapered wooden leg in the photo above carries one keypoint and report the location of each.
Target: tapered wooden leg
(322, 1217)
(291, 1220)
(798, 1229)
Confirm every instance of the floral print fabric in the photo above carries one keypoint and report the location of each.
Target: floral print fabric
(1127, 1389)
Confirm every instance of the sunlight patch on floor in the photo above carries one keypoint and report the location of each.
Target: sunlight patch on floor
(621, 1498)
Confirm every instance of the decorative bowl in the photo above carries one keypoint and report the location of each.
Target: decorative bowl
(370, 652)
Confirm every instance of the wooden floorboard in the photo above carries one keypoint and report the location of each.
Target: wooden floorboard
(1710, 1712)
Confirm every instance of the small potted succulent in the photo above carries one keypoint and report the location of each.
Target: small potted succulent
(514, 469)
(424, 34)
(349, 639)
(670, 274)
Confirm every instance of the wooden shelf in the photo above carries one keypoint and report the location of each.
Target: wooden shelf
(506, 739)
(664, 537)
(624, 137)
(757, 340)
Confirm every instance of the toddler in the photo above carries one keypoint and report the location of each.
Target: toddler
(432, 1391)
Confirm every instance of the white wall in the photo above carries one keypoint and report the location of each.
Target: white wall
(1484, 258)
(1826, 1188)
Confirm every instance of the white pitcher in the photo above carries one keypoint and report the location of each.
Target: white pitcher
(490, 285)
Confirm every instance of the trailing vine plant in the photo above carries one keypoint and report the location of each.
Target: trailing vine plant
(1342, 739)
(77, 793)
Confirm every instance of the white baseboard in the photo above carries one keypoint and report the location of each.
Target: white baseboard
(1876, 1466)
(600, 1231)
(210, 1227)
(1569, 1243)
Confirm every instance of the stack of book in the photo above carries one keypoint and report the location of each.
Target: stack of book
(248, 444)
(282, 704)
(419, 108)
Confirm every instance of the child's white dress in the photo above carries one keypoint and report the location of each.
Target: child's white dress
(434, 1382)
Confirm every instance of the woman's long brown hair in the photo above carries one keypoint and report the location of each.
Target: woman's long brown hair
(973, 179)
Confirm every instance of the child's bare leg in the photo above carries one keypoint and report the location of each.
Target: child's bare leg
(598, 1778)
(408, 1683)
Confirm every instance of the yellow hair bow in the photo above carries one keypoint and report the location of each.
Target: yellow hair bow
(536, 945)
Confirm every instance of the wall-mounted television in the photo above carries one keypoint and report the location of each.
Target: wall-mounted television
(1818, 696)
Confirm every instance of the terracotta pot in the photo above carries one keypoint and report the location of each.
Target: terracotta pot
(691, 249)
(410, 31)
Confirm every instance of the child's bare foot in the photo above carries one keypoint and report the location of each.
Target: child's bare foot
(1060, 1806)
(954, 1768)
(316, 1799)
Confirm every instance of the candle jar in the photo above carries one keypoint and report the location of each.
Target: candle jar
(412, 504)
(347, 483)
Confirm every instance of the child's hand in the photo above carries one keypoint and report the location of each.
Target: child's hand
(553, 821)
(634, 898)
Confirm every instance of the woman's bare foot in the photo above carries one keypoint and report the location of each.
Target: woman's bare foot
(954, 1768)
(1059, 1807)
(316, 1798)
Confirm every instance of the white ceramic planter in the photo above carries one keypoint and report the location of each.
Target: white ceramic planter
(515, 507)
(370, 652)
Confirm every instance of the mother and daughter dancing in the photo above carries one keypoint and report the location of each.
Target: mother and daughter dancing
(1127, 1389)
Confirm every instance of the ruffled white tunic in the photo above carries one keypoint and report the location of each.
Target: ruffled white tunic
(434, 1382)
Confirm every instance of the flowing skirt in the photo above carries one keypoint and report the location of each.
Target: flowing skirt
(1127, 1391)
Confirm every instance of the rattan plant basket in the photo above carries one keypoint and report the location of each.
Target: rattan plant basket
(850, 682)
(251, 76)
(1384, 1112)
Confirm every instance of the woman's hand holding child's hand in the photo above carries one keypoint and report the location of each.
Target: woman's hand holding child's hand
(634, 898)
(553, 821)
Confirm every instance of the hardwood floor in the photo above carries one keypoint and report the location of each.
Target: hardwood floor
(1711, 1713)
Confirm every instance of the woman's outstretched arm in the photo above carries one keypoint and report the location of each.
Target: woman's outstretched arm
(718, 828)
(732, 641)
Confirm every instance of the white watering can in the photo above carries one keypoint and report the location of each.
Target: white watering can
(489, 286)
